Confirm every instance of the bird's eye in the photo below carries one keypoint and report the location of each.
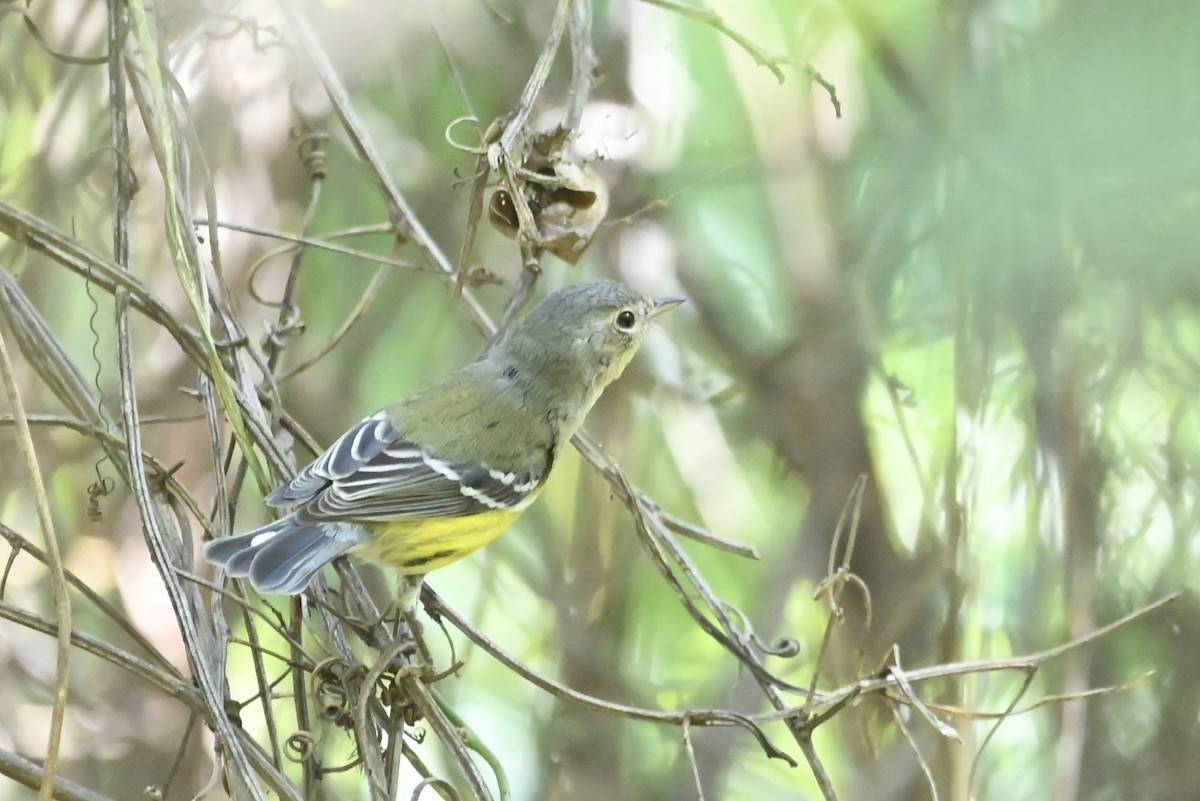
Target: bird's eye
(625, 320)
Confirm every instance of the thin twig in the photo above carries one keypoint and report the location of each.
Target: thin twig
(58, 579)
(1022, 663)
(583, 63)
(169, 682)
(324, 242)
(437, 608)
(506, 147)
(691, 757)
(21, 544)
(896, 671)
(694, 532)
(1017, 696)
(893, 707)
(39, 235)
(717, 22)
(360, 308)
(166, 142)
(33, 776)
(403, 214)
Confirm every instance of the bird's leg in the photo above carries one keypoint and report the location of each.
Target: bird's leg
(407, 625)
(408, 592)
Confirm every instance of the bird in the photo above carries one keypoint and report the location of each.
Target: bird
(428, 480)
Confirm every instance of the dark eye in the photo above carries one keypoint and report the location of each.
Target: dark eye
(625, 320)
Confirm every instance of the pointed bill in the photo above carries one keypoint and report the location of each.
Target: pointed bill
(664, 304)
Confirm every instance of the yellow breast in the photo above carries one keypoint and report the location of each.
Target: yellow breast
(416, 547)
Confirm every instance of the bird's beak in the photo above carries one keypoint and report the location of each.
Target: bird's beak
(664, 304)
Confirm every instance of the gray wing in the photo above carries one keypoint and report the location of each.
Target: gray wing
(372, 473)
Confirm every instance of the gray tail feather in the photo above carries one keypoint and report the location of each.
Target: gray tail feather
(282, 556)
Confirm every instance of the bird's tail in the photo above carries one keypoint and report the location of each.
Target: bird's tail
(283, 556)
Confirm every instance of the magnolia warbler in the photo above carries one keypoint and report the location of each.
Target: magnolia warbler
(431, 478)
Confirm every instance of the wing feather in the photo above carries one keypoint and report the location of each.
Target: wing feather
(371, 473)
(358, 446)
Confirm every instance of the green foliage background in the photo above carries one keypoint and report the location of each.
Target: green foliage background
(977, 287)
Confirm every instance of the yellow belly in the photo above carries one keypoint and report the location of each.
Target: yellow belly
(416, 547)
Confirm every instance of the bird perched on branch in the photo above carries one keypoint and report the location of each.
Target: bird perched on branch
(435, 476)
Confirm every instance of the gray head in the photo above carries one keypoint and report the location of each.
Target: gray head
(587, 332)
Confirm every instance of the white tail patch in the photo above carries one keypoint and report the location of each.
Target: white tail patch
(262, 539)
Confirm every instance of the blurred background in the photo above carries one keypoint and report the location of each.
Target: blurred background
(968, 275)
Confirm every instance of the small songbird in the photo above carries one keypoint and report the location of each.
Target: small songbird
(431, 478)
